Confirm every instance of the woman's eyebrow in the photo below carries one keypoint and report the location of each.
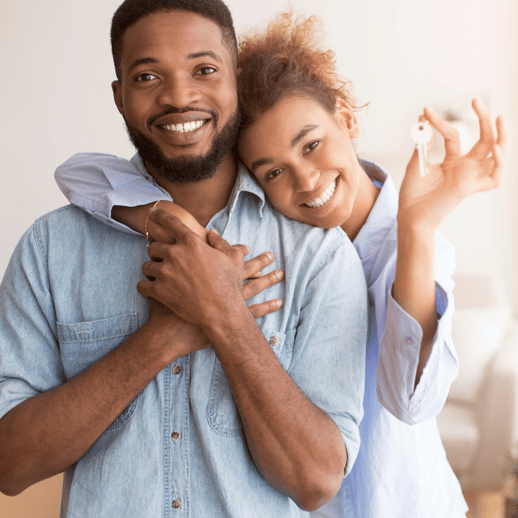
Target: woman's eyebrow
(296, 139)
(302, 133)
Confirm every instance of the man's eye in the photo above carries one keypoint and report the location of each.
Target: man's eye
(205, 71)
(311, 145)
(270, 175)
(145, 77)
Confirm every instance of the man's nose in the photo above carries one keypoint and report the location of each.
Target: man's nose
(177, 92)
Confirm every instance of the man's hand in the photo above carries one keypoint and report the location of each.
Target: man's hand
(159, 230)
(426, 201)
(200, 282)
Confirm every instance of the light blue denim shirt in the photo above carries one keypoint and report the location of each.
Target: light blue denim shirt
(69, 297)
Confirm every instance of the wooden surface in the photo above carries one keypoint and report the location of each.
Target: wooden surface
(485, 505)
(42, 500)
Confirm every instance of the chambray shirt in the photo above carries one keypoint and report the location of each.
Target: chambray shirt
(402, 469)
(69, 297)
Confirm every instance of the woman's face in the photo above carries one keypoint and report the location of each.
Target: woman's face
(304, 159)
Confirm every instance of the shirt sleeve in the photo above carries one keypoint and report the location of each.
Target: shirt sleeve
(400, 345)
(328, 364)
(29, 354)
(97, 182)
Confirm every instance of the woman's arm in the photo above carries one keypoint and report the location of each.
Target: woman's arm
(113, 190)
(425, 201)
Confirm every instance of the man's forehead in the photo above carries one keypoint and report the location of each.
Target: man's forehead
(188, 35)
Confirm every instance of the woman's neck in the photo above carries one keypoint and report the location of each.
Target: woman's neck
(365, 200)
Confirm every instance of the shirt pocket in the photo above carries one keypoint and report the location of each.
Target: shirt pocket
(84, 343)
(222, 412)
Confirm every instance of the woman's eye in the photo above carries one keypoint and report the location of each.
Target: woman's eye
(272, 174)
(205, 71)
(145, 77)
(311, 145)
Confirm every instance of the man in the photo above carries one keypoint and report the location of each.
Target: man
(142, 415)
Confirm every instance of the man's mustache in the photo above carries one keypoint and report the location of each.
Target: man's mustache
(187, 109)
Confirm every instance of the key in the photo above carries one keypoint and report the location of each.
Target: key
(421, 134)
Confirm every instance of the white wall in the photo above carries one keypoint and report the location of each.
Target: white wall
(401, 55)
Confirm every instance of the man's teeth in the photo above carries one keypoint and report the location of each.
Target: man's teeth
(324, 197)
(183, 128)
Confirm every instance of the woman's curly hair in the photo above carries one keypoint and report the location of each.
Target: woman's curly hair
(287, 59)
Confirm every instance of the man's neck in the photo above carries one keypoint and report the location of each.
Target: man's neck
(206, 198)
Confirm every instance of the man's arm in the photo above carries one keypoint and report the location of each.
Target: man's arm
(295, 444)
(49, 425)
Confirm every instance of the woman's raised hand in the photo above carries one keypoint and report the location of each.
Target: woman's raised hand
(425, 201)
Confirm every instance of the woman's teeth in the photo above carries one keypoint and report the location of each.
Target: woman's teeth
(323, 198)
(184, 128)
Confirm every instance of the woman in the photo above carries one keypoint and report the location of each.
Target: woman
(297, 136)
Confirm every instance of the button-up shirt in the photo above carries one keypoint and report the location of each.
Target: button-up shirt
(401, 470)
(69, 297)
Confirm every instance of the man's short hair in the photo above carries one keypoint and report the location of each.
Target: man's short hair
(131, 11)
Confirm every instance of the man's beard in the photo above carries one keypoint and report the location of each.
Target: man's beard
(187, 169)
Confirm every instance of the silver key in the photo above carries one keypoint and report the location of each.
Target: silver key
(421, 134)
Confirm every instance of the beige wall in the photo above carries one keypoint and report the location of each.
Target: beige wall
(39, 501)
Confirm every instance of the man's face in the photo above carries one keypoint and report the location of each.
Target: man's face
(177, 94)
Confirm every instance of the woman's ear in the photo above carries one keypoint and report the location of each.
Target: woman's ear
(347, 117)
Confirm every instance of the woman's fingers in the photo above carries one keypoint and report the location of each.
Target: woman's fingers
(448, 132)
(487, 139)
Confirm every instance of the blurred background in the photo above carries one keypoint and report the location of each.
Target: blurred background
(402, 55)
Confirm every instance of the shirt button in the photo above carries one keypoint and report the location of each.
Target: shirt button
(408, 340)
(274, 340)
(177, 503)
(177, 369)
(175, 436)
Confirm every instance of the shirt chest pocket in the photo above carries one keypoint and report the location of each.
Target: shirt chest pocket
(84, 343)
(222, 412)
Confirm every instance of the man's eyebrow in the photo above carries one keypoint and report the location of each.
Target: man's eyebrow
(141, 61)
(302, 133)
(203, 53)
(296, 139)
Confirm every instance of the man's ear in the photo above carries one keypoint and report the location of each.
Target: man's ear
(347, 117)
(117, 95)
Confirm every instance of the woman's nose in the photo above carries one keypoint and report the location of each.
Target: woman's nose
(305, 179)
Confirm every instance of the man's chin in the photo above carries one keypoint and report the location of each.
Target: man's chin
(190, 163)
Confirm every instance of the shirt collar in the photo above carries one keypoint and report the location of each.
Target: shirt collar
(245, 182)
(382, 216)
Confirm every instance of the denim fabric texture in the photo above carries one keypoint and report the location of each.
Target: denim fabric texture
(69, 297)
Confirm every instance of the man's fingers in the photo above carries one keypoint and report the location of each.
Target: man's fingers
(255, 286)
(449, 133)
(157, 232)
(244, 249)
(144, 288)
(169, 222)
(217, 242)
(259, 310)
(252, 268)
